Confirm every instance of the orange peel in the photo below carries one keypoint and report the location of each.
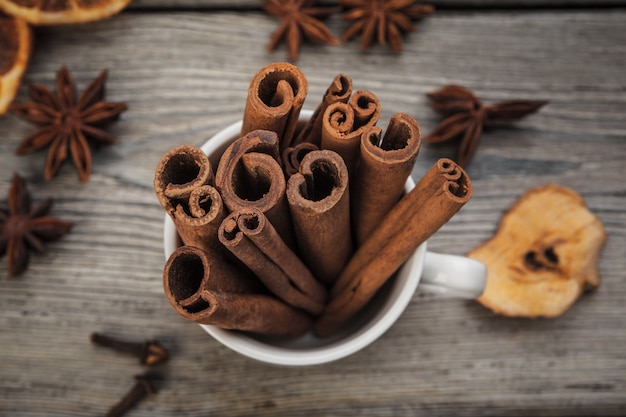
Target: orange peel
(15, 50)
(48, 12)
(543, 256)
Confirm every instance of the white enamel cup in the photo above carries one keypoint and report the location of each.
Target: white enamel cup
(434, 273)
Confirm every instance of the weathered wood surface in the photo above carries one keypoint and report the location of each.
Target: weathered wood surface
(446, 4)
(184, 76)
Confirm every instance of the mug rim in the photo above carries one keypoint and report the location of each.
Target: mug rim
(400, 294)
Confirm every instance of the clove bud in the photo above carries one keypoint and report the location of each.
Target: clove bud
(149, 352)
(142, 388)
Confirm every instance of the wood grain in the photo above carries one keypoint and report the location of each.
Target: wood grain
(445, 4)
(185, 75)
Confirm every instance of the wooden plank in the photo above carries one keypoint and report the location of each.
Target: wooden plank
(447, 4)
(185, 75)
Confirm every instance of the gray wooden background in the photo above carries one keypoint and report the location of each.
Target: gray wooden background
(184, 68)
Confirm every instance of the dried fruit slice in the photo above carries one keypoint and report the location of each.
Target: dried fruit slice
(58, 12)
(543, 256)
(15, 47)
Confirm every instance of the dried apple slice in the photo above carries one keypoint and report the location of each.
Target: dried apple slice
(15, 49)
(543, 256)
(54, 12)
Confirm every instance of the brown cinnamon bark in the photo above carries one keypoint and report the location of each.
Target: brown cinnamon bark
(248, 175)
(198, 291)
(178, 173)
(262, 141)
(191, 269)
(197, 223)
(275, 98)
(366, 108)
(384, 167)
(442, 174)
(343, 124)
(251, 238)
(293, 155)
(181, 184)
(339, 90)
(419, 214)
(319, 201)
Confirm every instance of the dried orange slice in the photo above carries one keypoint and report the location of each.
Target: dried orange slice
(15, 47)
(55, 12)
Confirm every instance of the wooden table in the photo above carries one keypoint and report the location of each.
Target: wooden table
(184, 68)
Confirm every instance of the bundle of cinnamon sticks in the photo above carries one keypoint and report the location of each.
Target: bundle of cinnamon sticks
(299, 225)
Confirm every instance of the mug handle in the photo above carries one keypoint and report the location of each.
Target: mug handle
(452, 276)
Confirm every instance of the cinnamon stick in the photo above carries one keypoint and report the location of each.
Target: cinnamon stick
(366, 107)
(319, 201)
(444, 173)
(179, 171)
(249, 235)
(198, 292)
(275, 98)
(339, 90)
(343, 124)
(197, 223)
(248, 175)
(181, 182)
(293, 155)
(383, 169)
(191, 269)
(420, 213)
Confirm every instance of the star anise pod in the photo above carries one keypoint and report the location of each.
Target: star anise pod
(467, 116)
(298, 18)
(24, 228)
(383, 20)
(67, 123)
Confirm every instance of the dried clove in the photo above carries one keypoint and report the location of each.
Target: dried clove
(142, 388)
(149, 352)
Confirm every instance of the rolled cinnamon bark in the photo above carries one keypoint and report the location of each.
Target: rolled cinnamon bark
(343, 124)
(339, 90)
(384, 167)
(198, 291)
(178, 173)
(248, 175)
(181, 185)
(251, 238)
(366, 108)
(293, 155)
(197, 223)
(275, 98)
(319, 201)
(419, 214)
(190, 269)
(262, 141)
(442, 174)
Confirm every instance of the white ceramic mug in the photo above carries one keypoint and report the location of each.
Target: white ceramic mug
(447, 275)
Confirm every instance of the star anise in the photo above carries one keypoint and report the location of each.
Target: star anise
(383, 20)
(467, 116)
(299, 17)
(24, 228)
(66, 123)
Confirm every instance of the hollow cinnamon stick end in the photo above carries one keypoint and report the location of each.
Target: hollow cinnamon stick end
(275, 97)
(543, 256)
(184, 276)
(319, 200)
(179, 172)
